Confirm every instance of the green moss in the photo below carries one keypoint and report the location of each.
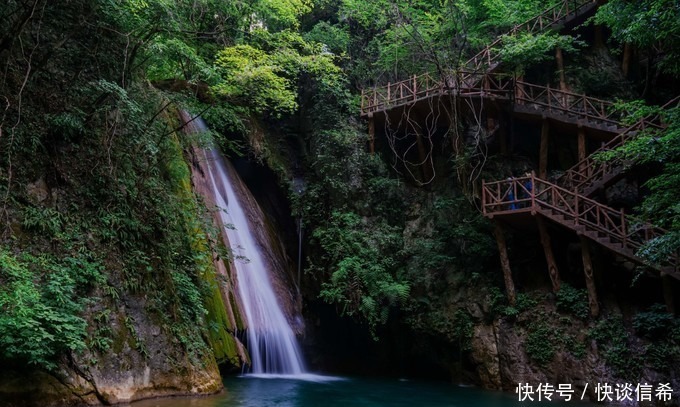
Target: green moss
(219, 329)
(221, 340)
(120, 337)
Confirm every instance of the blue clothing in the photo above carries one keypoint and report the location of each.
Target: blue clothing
(511, 197)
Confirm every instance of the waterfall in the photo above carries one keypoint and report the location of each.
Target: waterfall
(271, 342)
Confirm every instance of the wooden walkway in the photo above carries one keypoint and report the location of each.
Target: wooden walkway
(523, 97)
(610, 228)
(568, 202)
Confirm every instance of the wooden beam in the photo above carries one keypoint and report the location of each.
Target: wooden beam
(549, 256)
(543, 153)
(668, 293)
(590, 281)
(505, 263)
(371, 133)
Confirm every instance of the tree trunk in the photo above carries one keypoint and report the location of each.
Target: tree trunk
(590, 281)
(505, 263)
(559, 59)
(549, 257)
(581, 146)
(625, 64)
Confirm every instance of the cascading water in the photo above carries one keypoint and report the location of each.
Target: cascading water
(271, 342)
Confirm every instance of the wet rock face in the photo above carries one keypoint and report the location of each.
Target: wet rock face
(485, 355)
(149, 362)
(502, 358)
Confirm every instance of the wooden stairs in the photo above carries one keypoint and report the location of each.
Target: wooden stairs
(606, 226)
(589, 175)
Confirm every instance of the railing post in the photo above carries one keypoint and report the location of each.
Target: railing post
(415, 91)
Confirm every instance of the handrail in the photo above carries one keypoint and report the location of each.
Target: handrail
(534, 194)
(423, 86)
(586, 172)
(565, 102)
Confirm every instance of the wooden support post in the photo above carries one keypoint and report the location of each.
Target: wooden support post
(519, 90)
(581, 145)
(668, 293)
(559, 59)
(549, 257)
(543, 153)
(505, 263)
(371, 133)
(625, 64)
(590, 281)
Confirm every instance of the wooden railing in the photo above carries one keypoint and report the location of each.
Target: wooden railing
(609, 227)
(586, 175)
(474, 70)
(577, 106)
(425, 86)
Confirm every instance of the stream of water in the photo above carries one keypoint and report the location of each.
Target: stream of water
(271, 343)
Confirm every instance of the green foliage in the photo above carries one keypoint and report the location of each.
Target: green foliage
(363, 253)
(504, 14)
(265, 79)
(463, 329)
(525, 49)
(574, 346)
(613, 340)
(573, 301)
(500, 307)
(335, 38)
(646, 24)
(41, 300)
(540, 343)
(42, 220)
(660, 207)
(654, 323)
(662, 329)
